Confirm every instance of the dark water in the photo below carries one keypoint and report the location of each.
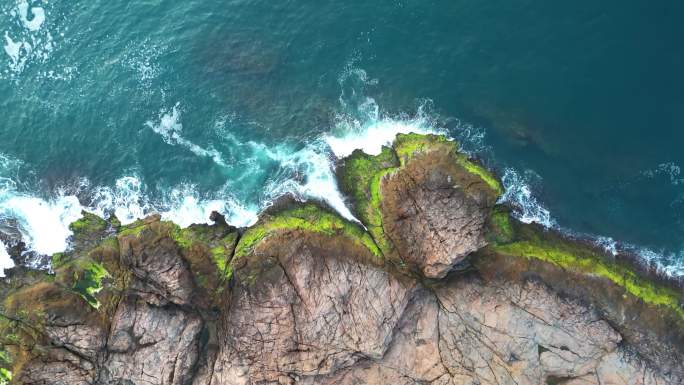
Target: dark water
(184, 107)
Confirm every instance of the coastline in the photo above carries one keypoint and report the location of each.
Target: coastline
(430, 223)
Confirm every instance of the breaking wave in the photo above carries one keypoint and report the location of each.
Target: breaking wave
(5, 260)
(518, 193)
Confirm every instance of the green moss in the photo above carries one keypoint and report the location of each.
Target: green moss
(110, 242)
(5, 376)
(189, 236)
(253, 235)
(134, 228)
(88, 283)
(580, 261)
(361, 177)
(221, 256)
(480, 171)
(114, 221)
(58, 260)
(5, 362)
(308, 217)
(500, 227)
(407, 145)
(185, 238)
(88, 224)
(208, 254)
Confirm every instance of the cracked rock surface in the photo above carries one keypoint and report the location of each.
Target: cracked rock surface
(433, 215)
(310, 309)
(302, 302)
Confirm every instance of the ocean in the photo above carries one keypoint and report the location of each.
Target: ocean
(187, 107)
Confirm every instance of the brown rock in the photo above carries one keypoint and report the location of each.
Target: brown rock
(154, 258)
(434, 212)
(304, 308)
(150, 344)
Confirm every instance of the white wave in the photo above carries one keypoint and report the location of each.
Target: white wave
(184, 206)
(143, 58)
(669, 264)
(239, 214)
(44, 225)
(526, 207)
(37, 15)
(126, 200)
(5, 260)
(17, 51)
(372, 138)
(318, 180)
(169, 127)
(369, 132)
(608, 244)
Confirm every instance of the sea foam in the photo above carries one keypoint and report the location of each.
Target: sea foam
(29, 40)
(170, 128)
(371, 138)
(526, 207)
(306, 173)
(44, 225)
(5, 260)
(37, 15)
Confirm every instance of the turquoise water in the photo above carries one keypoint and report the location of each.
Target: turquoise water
(187, 107)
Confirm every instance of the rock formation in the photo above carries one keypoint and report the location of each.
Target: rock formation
(439, 286)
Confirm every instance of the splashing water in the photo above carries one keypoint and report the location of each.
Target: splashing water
(44, 225)
(526, 206)
(5, 260)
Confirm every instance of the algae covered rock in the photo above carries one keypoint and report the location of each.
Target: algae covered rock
(124, 299)
(422, 200)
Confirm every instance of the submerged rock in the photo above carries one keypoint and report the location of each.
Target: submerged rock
(438, 286)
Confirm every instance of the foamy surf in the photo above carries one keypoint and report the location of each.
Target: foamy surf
(306, 171)
(373, 137)
(5, 260)
(44, 225)
(183, 204)
(518, 194)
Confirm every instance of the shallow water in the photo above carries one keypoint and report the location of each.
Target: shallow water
(190, 107)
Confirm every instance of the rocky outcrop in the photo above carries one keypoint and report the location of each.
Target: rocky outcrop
(312, 310)
(440, 286)
(423, 201)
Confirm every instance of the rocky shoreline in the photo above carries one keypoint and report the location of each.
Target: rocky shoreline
(439, 285)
